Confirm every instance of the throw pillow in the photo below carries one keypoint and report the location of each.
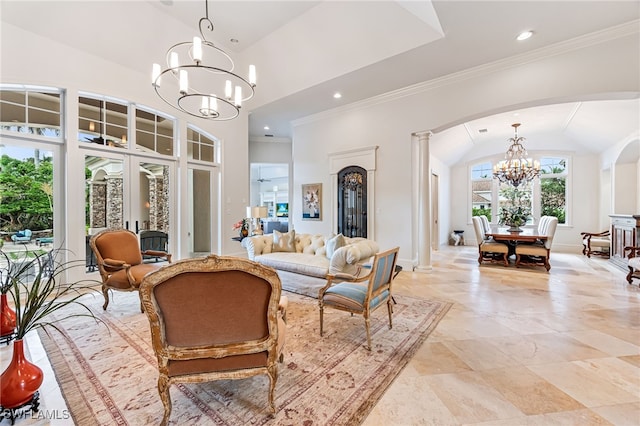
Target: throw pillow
(285, 242)
(334, 244)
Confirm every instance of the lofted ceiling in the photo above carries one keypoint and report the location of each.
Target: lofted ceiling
(305, 51)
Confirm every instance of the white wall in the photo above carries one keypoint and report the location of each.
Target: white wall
(626, 188)
(388, 122)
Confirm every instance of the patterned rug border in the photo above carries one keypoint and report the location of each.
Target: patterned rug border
(83, 414)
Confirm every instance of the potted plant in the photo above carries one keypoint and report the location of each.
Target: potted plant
(37, 286)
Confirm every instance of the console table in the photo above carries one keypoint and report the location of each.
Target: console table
(625, 232)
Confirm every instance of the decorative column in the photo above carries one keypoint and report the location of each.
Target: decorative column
(424, 203)
(97, 205)
(114, 201)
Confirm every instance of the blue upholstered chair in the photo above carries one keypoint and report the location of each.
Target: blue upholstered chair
(361, 294)
(22, 236)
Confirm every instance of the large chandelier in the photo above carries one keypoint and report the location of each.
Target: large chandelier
(516, 168)
(201, 79)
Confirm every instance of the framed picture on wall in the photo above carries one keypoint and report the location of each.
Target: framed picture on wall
(312, 201)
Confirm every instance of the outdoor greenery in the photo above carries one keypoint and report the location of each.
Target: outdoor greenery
(26, 194)
(552, 192)
(477, 211)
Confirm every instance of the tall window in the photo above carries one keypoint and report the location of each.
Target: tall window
(481, 190)
(548, 198)
(553, 187)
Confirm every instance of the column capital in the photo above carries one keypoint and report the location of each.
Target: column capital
(425, 134)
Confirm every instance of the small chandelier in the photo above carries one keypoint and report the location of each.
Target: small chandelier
(202, 81)
(516, 168)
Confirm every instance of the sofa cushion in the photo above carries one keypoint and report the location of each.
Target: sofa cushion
(316, 243)
(284, 242)
(334, 244)
(300, 263)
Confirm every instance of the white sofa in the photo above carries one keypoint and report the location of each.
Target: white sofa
(304, 260)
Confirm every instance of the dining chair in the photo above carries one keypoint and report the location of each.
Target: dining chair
(352, 296)
(488, 249)
(538, 254)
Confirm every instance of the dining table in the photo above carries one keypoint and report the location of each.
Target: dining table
(513, 238)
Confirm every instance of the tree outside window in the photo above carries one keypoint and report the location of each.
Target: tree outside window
(553, 188)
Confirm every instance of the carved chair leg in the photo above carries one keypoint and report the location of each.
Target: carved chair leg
(480, 257)
(547, 265)
(163, 390)
(506, 259)
(321, 318)
(272, 372)
(630, 275)
(105, 293)
(390, 309)
(367, 324)
(518, 259)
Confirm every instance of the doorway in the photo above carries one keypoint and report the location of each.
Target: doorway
(129, 192)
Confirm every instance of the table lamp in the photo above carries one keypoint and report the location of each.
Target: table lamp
(255, 214)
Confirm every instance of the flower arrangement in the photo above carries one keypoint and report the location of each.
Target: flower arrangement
(241, 224)
(517, 210)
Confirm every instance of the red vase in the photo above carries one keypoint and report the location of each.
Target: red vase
(7, 317)
(20, 380)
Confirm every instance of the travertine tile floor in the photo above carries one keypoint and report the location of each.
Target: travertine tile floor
(521, 346)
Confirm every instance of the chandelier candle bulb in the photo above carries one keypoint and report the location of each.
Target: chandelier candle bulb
(252, 75)
(173, 60)
(228, 90)
(213, 104)
(155, 75)
(197, 49)
(238, 101)
(184, 82)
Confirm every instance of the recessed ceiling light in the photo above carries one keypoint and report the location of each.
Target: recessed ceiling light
(337, 95)
(524, 35)
(266, 127)
(233, 40)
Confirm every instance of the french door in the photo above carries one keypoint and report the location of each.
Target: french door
(128, 191)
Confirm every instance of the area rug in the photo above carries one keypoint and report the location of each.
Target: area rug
(108, 373)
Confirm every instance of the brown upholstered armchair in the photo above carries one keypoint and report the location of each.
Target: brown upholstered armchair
(598, 243)
(361, 294)
(633, 263)
(214, 318)
(119, 261)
